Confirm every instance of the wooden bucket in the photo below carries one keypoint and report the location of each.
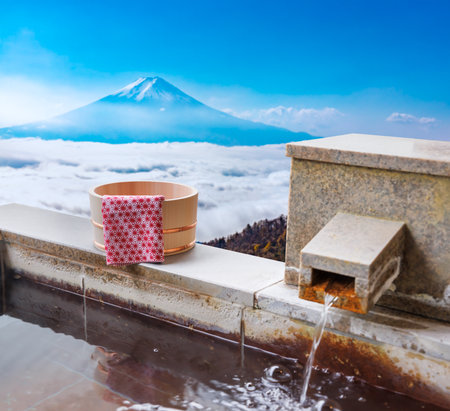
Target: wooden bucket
(179, 211)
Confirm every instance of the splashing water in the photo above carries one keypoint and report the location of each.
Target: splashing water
(329, 300)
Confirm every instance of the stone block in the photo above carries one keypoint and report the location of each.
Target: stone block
(353, 257)
(385, 177)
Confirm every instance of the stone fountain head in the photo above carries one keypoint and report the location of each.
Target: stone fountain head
(353, 257)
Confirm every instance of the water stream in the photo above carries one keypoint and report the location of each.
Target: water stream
(329, 300)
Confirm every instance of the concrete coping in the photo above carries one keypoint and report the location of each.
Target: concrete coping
(220, 273)
(364, 150)
(248, 282)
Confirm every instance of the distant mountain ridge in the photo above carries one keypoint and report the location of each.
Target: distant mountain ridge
(152, 110)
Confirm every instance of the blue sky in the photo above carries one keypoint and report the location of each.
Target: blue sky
(326, 67)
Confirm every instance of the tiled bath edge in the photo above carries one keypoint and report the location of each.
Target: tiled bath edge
(397, 351)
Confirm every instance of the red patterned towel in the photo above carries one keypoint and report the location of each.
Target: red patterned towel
(132, 228)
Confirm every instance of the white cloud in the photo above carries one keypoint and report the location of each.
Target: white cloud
(295, 119)
(410, 119)
(237, 185)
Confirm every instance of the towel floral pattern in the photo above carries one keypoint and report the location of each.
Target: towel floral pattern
(132, 228)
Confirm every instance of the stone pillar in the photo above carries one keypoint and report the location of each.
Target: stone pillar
(394, 178)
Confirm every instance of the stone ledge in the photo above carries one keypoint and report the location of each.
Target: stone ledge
(228, 275)
(364, 150)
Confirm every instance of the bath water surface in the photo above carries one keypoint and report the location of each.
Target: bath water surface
(61, 351)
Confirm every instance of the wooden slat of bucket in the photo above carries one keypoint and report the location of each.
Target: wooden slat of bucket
(168, 236)
(165, 231)
(169, 251)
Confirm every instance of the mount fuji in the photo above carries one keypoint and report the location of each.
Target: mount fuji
(151, 110)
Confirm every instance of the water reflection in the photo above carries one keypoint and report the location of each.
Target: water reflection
(132, 362)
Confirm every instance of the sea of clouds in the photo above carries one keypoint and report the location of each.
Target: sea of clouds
(237, 185)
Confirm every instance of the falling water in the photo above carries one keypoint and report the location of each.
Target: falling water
(329, 300)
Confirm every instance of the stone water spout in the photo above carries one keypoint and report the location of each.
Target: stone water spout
(392, 178)
(354, 258)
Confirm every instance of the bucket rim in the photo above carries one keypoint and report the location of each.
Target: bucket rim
(193, 194)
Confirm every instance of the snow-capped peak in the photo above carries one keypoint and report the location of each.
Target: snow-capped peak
(125, 90)
(152, 88)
